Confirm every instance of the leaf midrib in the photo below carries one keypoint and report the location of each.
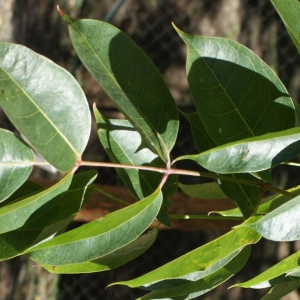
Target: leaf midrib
(42, 112)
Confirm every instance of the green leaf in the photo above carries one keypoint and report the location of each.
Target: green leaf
(130, 79)
(289, 12)
(245, 196)
(281, 224)
(193, 289)
(65, 205)
(209, 190)
(250, 155)
(201, 137)
(196, 264)
(228, 84)
(268, 204)
(100, 237)
(15, 215)
(48, 219)
(114, 136)
(14, 155)
(27, 189)
(273, 275)
(110, 261)
(280, 290)
(46, 105)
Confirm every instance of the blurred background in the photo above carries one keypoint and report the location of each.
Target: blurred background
(254, 23)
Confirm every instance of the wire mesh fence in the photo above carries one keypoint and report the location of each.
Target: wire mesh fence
(254, 23)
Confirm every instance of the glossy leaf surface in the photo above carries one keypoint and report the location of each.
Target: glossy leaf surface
(249, 155)
(270, 276)
(130, 79)
(13, 157)
(198, 263)
(100, 237)
(46, 105)
(49, 219)
(289, 11)
(281, 224)
(15, 215)
(110, 261)
(193, 289)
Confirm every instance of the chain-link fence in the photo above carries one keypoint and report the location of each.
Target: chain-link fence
(254, 23)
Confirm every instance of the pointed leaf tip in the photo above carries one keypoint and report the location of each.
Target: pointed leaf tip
(64, 16)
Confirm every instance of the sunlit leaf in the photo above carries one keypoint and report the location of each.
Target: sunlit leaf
(193, 289)
(196, 264)
(110, 261)
(15, 215)
(52, 217)
(281, 290)
(14, 155)
(46, 105)
(250, 155)
(273, 275)
(100, 237)
(130, 79)
(281, 224)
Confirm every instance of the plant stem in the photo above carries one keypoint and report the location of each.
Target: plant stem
(170, 171)
(204, 217)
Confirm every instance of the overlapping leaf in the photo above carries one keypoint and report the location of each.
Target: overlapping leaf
(245, 196)
(193, 289)
(268, 204)
(281, 224)
(100, 237)
(14, 171)
(130, 79)
(45, 103)
(198, 263)
(274, 275)
(110, 261)
(289, 12)
(251, 155)
(125, 145)
(15, 215)
(280, 290)
(48, 219)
